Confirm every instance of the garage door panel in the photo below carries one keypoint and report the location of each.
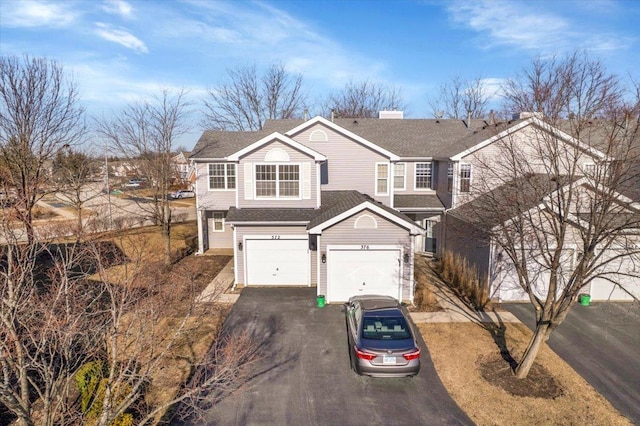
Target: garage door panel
(356, 272)
(277, 262)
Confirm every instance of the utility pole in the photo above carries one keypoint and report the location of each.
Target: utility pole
(106, 173)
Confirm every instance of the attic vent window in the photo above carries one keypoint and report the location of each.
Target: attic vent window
(365, 222)
(318, 136)
(277, 154)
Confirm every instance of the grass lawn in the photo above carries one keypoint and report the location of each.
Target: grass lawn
(469, 364)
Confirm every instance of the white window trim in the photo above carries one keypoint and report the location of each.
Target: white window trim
(415, 176)
(218, 214)
(365, 217)
(451, 167)
(376, 179)
(404, 177)
(461, 166)
(226, 178)
(277, 197)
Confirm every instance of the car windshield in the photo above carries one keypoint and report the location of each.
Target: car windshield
(385, 328)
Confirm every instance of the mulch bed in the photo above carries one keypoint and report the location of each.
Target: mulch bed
(539, 383)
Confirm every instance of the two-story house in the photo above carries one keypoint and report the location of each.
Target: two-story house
(340, 204)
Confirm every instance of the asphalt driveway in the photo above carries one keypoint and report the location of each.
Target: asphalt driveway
(304, 377)
(602, 343)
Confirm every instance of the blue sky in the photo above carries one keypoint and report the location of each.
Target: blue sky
(119, 51)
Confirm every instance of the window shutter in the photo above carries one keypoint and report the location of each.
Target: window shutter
(324, 173)
(248, 181)
(306, 181)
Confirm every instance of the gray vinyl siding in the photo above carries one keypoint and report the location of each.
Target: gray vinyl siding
(441, 183)
(218, 239)
(351, 165)
(410, 179)
(296, 157)
(242, 231)
(473, 246)
(216, 199)
(526, 140)
(387, 233)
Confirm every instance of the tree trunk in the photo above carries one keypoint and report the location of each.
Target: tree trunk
(79, 224)
(529, 356)
(167, 236)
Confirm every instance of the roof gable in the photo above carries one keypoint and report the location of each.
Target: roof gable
(348, 203)
(521, 125)
(333, 126)
(280, 138)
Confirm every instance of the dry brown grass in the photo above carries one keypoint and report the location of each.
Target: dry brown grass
(464, 280)
(424, 297)
(459, 349)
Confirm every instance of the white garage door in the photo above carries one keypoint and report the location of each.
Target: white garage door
(620, 270)
(277, 262)
(355, 271)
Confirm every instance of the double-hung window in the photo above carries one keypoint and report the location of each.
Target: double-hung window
(450, 178)
(218, 222)
(277, 181)
(423, 175)
(222, 176)
(465, 177)
(382, 178)
(399, 176)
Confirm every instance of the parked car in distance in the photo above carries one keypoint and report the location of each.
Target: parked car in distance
(183, 193)
(381, 339)
(134, 183)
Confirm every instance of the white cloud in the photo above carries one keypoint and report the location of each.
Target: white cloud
(524, 25)
(32, 14)
(510, 23)
(243, 32)
(118, 7)
(121, 36)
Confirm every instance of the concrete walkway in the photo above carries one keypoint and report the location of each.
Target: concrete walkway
(218, 290)
(453, 309)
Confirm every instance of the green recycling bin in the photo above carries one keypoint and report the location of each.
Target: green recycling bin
(585, 299)
(320, 301)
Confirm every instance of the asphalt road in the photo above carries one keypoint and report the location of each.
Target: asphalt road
(602, 343)
(304, 377)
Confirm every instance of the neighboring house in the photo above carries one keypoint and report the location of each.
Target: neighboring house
(342, 205)
(182, 166)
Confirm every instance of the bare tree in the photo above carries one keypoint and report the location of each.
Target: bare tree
(39, 115)
(363, 99)
(50, 326)
(88, 334)
(459, 97)
(146, 133)
(72, 171)
(247, 99)
(557, 212)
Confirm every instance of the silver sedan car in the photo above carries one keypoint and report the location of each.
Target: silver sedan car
(381, 338)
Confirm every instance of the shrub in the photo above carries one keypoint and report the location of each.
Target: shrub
(92, 386)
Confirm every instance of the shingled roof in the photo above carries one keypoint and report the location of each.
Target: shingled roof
(513, 198)
(421, 138)
(418, 201)
(334, 203)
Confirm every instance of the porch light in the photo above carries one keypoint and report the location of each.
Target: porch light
(406, 258)
(239, 245)
(323, 258)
